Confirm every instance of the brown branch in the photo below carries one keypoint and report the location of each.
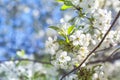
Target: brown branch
(94, 48)
(103, 49)
(113, 53)
(111, 58)
(107, 49)
(77, 8)
(31, 60)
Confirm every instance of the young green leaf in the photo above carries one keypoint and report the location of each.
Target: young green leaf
(70, 29)
(60, 0)
(67, 40)
(60, 32)
(55, 28)
(64, 7)
(68, 3)
(60, 41)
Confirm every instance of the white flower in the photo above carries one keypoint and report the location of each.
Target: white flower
(115, 4)
(86, 40)
(71, 77)
(80, 56)
(89, 6)
(99, 73)
(59, 65)
(62, 57)
(117, 36)
(95, 76)
(83, 51)
(102, 19)
(78, 38)
(112, 38)
(52, 45)
(64, 26)
(75, 2)
(61, 60)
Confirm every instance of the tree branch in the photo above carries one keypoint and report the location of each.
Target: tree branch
(113, 53)
(94, 48)
(111, 60)
(113, 57)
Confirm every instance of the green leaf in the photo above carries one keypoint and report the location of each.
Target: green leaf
(60, 32)
(55, 28)
(60, 0)
(60, 41)
(70, 29)
(68, 3)
(67, 40)
(64, 7)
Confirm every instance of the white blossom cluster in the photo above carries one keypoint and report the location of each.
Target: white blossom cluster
(114, 4)
(81, 40)
(26, 71)
(86, 5)
(99, 74)
(113, 70)
(9, 68)
(70, 49)
(72, 44)
(71, 77)
(26, 68)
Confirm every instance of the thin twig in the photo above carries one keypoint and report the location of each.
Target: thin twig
(110, 58)
(94, 48)
(103, 49)
(107, 49)
(77, 8)
(113, 53)
(31, 60)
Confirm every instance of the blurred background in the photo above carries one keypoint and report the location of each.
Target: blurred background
(24, 25)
